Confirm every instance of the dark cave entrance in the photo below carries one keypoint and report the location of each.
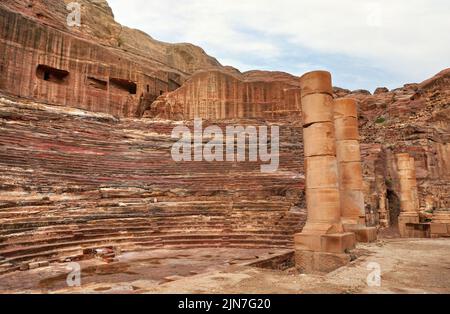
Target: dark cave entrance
(394, 208)
(123, 85)
(53, 75)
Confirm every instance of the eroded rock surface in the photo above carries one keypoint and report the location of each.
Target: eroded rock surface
(71, 180)
(219, 94)
(98, 25)
(80, 168)
(414, 119)
(100, 66)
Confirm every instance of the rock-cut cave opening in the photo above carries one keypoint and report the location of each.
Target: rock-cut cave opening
(53, 75)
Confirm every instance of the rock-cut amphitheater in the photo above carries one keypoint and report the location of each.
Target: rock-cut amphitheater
(87, 177)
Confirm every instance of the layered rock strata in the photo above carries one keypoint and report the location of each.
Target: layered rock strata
(413, 119)
(46, 64)
(220, 95)
(72, 181)
(97, 25)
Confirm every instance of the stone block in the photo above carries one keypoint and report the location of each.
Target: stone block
(338, 242)
(309, 261)
(363, 233)
(346, 129)
(348, 150)
(409, 217)
(328, 262)
(439, 228)
(317, 108)
(419, 230)
(319, 140)
(316, 82)
(345, 107)
(304, 260)
(349, 180)
(24, 267)
(34, 265)
(403, 220)
(410, 226)
(321, 172)
(308, 241)
(352, 204)
(44, 264)
(325, 204)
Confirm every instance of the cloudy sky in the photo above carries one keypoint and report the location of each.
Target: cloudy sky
(364, 43)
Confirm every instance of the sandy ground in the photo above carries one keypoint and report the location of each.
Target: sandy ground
(405, 265)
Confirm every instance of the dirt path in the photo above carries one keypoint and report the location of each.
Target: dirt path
(406, 266)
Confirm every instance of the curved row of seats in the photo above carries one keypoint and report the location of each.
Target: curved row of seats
(69, 183)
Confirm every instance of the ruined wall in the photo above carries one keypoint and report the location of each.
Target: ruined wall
(220, 95)
(45, 64)
(414, 119)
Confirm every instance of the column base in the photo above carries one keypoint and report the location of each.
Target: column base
(318, 252)
(440, 230)
(363, 233)
(328, 243)
(311, 262)
(410, 227)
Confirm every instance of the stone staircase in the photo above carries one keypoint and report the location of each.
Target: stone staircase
(61, 234)
(72, 183)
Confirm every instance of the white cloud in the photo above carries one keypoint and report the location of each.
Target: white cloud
(406, 37)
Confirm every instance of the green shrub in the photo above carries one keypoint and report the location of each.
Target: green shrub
(380, 120)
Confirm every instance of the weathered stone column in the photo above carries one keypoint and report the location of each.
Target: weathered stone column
(408, 193)
(323, 232)
(383, 210)
(408, 183)
(353, 212)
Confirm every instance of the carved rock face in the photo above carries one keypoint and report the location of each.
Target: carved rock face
(221, 95)
(99, 66)
(413, 119)
(98, 25)
(62, 160)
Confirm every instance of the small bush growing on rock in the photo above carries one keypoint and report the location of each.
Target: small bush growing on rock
(388, 182)
(380, 120)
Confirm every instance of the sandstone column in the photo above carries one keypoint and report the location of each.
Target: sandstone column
(409, 204)
(383, 210)
(323, 231)
(348, 152)
(349, 161)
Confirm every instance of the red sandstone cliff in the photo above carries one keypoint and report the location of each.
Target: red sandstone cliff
(414, 119)
(105, 67)
(100, 66)
(219, 94)
(99, 26)
(81, 178)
